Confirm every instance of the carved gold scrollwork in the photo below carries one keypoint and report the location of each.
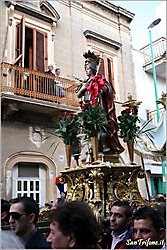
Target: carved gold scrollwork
(100, 184)
(121, 191)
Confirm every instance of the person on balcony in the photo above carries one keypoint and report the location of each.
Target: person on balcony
(57, 72)
(50, 81)
(58, 88)
(97, 90)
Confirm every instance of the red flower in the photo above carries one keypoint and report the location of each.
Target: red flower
(95, 86)
(87, 102)
(125, 111)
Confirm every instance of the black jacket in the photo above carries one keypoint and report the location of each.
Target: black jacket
(37, 241)
(106, 240)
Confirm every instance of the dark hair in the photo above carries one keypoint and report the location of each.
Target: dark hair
(152, 214)
(76, 217)
(30, 206)
(128, 210)
(57, 69)
(5, 206)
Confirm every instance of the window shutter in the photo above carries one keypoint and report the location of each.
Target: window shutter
(20, 43)
(40, 51)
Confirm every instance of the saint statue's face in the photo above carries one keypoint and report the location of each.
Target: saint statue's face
(89, 71)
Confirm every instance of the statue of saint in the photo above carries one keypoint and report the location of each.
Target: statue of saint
(97, 90)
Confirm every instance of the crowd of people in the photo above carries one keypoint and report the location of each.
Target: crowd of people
(73, 225)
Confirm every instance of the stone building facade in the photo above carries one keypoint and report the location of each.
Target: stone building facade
(35, 34)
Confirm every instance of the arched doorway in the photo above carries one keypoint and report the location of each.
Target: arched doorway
(32, 174)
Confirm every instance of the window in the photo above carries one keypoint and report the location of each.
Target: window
(29, 179)
(31, 47)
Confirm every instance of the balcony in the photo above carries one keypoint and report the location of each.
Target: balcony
(159, 47)
(152, 116)
(37, 91)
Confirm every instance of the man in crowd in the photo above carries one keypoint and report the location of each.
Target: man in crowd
(149, 228)
(24, 212)
(120, 227)
(5, 206)
(73, 225)
(161, 206)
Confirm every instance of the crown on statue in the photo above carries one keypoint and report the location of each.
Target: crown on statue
(92, 60)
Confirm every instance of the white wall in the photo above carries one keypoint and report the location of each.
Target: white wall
(145, 85)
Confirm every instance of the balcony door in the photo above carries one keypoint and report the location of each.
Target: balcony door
(31, 47)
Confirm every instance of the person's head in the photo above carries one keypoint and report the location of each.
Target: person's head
(57, 72)
(5, 206)
(24, 213)
(160, 198)
(148, 224)
(152, 199)
(73, 225)
(50, 67)
(120, 217)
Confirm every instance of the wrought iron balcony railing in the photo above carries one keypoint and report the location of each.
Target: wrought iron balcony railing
(159, 47)
(152, 115)
(16, 80)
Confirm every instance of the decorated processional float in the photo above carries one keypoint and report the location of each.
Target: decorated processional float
(101, 176)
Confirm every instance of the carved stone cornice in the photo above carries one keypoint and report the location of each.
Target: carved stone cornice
(27, 9)
(98, 37)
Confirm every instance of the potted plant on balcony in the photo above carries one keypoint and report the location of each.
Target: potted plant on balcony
(92, 122)
(68, 130)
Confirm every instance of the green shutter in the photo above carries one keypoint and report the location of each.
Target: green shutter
(152, 186)
(160, 185)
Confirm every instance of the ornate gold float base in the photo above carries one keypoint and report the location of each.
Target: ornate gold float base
(100, 184)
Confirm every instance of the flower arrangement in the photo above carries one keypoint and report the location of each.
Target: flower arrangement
(127, 123)
(69, 128)
(92, 120)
